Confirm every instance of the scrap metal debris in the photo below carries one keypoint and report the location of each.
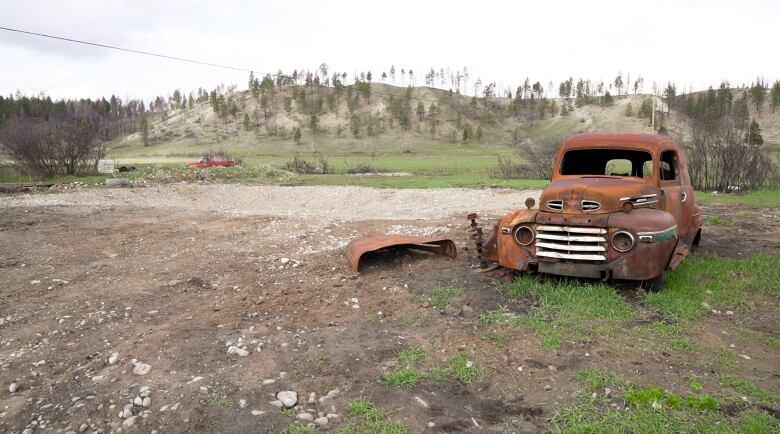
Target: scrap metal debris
(378, 241)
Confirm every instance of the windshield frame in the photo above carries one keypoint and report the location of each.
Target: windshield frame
(652, 179)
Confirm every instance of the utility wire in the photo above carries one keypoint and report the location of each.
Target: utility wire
(181, 59)
(95, 44)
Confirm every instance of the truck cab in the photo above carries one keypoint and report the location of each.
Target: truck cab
(618, 206)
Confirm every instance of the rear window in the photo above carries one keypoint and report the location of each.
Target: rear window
(607, 162)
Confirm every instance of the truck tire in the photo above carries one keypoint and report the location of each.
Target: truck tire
(655, 284)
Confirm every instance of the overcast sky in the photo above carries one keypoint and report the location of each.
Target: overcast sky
(692, 43)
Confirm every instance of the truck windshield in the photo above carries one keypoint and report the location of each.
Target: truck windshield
(607, 162)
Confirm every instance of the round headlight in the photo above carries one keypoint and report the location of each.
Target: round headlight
(524, 235)
(622, 241)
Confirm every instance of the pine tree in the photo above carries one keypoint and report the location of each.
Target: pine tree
(297, 135)
(354, 125)
(246, 121)
(774, 96)
(758, 94)
(420, 111)
(143, 125)
(753, 135)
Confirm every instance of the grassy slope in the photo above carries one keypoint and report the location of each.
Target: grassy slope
(187, 134)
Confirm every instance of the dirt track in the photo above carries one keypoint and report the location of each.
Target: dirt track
(174, 276)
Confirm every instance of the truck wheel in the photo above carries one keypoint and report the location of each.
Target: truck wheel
(697, 238)
(653, 285)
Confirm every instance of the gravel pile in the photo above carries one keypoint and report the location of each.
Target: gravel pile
(309, 202)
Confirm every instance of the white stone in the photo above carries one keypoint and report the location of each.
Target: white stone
(13, 387)
(242, 403)
(288, 398)
(236, 350)
(305, 417)
(268, 381)
(147, 402)
(113, 358)
(285, 261)
(257, 412)
(138, 401)
(129, 422)
(141, 368)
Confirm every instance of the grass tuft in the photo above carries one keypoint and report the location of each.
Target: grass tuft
(365, 417)
(442, 297)
(462, 368)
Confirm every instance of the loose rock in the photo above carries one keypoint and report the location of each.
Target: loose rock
(129, 422)
(305, 417)
(141, 368)
(288, 398)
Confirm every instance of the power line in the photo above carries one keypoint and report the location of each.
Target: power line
(95, 44)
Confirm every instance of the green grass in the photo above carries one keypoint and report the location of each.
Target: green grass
(566, 308)
(716, 220)
(748, 389)
(406, 378)
(704, 282)
(596, 380)
(461, 367)
(650, 410)
(409, 369)
(496, 339)
(297, 429)
(411, 357)
(695, 385)
(220, 401)
(289, 412)
(442, 297)
(364, 417)
(420, 181)
(407, 373)
(763, 198)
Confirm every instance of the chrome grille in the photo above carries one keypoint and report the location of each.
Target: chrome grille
(571, 242)
(555, 204)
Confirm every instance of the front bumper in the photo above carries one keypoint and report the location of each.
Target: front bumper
(647, 259)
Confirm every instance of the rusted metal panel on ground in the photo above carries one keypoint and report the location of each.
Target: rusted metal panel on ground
(378, 241)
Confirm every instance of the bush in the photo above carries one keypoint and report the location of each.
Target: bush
(361, 168)
(52, 147)
(318, 165)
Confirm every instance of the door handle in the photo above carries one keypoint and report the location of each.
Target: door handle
(684, 196)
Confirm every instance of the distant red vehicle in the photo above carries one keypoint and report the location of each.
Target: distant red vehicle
(211, 162)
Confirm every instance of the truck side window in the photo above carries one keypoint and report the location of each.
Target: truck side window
(668, 166)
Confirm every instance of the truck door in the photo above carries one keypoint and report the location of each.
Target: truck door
(674, 196)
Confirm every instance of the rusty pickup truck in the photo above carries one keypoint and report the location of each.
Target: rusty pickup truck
(618, 206)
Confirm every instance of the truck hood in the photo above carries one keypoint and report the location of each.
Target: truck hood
(596, 194)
